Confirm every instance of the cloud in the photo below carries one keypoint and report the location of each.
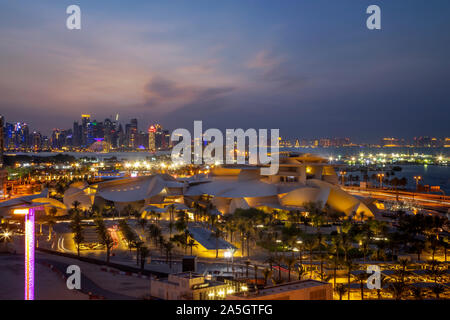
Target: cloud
(161, 92)
(276, 70)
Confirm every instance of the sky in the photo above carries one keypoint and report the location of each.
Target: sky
(310, 68)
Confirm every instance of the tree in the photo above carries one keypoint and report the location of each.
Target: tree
(417, 293)
(397, 289)
(76, 204)
(437, 289)
(168, 247)
(340, 289)
(138, 245)
(435, 271)
(51, 221)
(335, 246)
(362, 277)
(144, 253)
(301, 270)
(154, 232)
(142, 223)
(104, 236)
(217, 235)
(310, 245)
(290, 262)
(191, 244)
(267, 274)
(77, 230)
(350, 266)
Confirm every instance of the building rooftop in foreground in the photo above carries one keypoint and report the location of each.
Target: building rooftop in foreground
(296, 290)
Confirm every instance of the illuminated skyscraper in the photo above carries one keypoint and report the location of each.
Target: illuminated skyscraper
(152, 138)
(85, 119)
(2, 139)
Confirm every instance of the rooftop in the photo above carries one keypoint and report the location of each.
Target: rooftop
(285, 287)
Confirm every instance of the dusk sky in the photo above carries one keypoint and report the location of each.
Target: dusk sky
(310, 68)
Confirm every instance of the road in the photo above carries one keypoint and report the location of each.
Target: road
(424, 199)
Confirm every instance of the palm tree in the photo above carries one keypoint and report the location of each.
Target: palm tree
(290, 262)
(154, 232)
(138, 245)
(76, 204)
(340, 289)
(77, 230)
(104, 236)
(435, 271)
(191, 244)
(301, 270)
(335, 246)
(51, 221)
(217, 234)
(383, 281)
(437, 289)
(279, 261)
(144, 253)
(417, 293)
(142, 223)
(310, 245)
(168, 246)
(362, 277)
(350, 266)
(271, 260)
(267, 273)
(397, 289)
(403, 263)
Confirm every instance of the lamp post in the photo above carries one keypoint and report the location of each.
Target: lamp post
(417, 178)
(29, 215)
(343, 173)
(381, 176)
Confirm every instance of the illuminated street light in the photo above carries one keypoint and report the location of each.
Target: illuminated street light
(29, 215)
(342, 173)
(417, 178)
(381, 176)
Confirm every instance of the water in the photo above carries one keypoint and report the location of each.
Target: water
(100, 156)
(431, 174)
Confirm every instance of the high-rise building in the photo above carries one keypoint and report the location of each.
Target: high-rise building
(59, 138)
(2, 139)
(131, 131)
(36, 141)
(152, 139)
(76, 134)
(3, 173)
(85, 119)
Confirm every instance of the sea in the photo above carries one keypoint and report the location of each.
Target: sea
(433, 175)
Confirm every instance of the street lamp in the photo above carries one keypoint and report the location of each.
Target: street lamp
(342, 173)
(229, 254)
(417, 178)
(381, 176)
(29, 214)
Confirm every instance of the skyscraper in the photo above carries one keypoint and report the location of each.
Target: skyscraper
(152, 139)
(131, 131)
(2, 139)
(85, 119)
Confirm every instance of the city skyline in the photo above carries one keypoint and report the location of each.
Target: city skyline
(132, 134)
(306, 68)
